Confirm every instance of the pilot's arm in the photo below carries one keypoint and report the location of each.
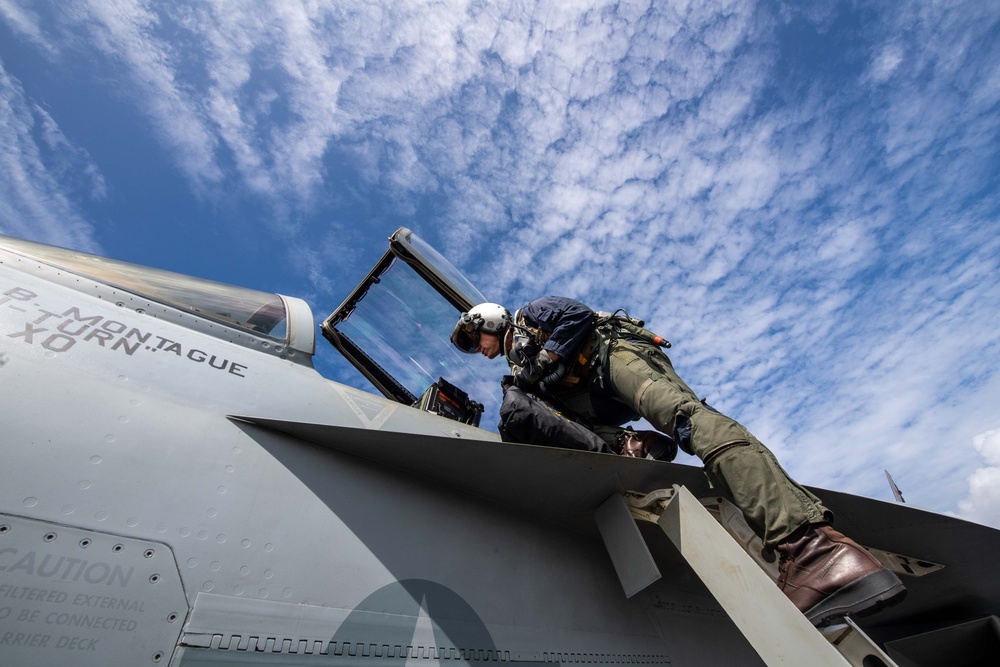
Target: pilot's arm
(568, 323)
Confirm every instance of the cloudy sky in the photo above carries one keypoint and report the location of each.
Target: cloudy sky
(803, 197)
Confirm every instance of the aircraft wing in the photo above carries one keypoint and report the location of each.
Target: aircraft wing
(544, 482)
(566, 486)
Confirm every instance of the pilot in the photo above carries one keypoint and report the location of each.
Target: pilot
(607, 370)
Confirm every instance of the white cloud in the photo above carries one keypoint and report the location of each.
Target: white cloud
(126, 31)
(26, 22)
(983, 501)
(41, 168)
(885, 62)
(820, 247)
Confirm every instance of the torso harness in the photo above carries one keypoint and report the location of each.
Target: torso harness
(592, 359)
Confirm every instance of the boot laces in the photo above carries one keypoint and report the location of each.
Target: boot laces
(784, 561)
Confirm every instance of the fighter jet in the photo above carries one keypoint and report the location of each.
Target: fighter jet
(179, 486)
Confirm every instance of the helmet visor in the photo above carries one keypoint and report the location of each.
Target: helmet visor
(465, 337)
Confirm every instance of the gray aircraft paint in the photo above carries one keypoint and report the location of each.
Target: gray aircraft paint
(268, 548)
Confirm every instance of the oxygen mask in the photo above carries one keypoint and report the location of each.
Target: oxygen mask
(523, 348)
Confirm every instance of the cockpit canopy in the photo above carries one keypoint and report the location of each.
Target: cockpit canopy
(249, 314)
(395, 327)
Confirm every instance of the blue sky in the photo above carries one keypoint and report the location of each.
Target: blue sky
(803, 197)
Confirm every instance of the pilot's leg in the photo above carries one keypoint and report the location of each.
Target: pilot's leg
(785, 515)
(774, 505)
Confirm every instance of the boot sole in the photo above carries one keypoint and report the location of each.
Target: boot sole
(867, 595)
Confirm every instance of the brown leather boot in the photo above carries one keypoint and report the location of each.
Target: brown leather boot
(827, 575)
(640, 444)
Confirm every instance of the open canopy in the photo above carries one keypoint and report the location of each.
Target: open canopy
(395, 327)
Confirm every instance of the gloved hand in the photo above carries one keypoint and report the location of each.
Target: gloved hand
(537, 368)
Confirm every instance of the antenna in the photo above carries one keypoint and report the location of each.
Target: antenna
(895, 489)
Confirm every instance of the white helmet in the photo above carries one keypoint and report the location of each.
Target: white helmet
(489, 317)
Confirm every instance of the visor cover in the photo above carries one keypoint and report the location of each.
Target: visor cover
(466, 337)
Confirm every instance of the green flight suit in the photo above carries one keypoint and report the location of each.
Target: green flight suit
(774, 505)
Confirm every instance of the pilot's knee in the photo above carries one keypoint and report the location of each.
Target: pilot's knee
(682, 434)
